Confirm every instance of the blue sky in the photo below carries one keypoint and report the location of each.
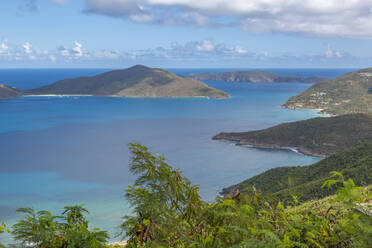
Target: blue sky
(185, 33)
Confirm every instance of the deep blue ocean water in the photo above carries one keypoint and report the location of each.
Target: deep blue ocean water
(57, 151)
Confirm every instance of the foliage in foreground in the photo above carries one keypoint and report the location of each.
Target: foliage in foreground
(3, 229)
(44, 230)
(168, 212)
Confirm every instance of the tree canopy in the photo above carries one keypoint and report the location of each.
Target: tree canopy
(44, 230)
(168, 212)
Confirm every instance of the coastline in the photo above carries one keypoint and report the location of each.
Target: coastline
(319, 110)
(118, 96)
(299, 150)
(55, 95)
(293, 149)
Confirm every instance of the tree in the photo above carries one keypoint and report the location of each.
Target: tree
(168, 212)
(38, 229)
(44, 230)
(166, 205)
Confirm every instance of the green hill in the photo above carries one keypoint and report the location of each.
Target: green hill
(320, 136)
(137, 81)
(7, 92)
(306, 181)
(253, 76)
(350, 93)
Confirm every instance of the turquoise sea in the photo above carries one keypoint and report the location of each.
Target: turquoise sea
(58, 151)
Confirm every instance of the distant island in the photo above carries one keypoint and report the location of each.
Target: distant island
(320, 137)
(136, 81)
(305, 181)
(350, 93)
(253, 76)
(7, 92)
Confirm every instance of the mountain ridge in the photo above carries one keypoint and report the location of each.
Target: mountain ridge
(136, 81)
(253, 76)
(7, 92)
(349, 93)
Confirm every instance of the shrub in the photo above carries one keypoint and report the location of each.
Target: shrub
(168, 212)
(44, 230)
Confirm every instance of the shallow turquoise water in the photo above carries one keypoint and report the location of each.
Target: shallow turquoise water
(70, 150)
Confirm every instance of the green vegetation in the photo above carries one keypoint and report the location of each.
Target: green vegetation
(349, 93)
(317, 137)
(165, 203)
(254, 76)
(168, 212)
(137, 81)
(305, 181)
(44, 230)
(3, 229)
(7, 92)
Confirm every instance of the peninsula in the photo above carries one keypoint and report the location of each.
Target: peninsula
(253, 76)
(136, 81)
(305, 181)
(350, 93)
(7, 92)
(319, 137)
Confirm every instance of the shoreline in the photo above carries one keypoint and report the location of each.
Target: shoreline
(54, 95)
(319, 110)
(298, 150)
(117, 96)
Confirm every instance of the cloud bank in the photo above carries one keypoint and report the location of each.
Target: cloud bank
(342, 18)
(203, 53)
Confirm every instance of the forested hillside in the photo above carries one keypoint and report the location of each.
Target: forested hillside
(317, 136)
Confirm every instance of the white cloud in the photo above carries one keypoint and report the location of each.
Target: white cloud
(141, 18)
(75, 52)
(203, 52)
(194, 18)
(344, 18)
(205, 46)
(205, 49)
(78, 49)
(52, 58)
(104, 54)
(27, 48)
(330, 53)
(240, 50)
(63, 51)
(3, 47)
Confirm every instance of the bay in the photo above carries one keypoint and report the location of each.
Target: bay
(58, 151)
